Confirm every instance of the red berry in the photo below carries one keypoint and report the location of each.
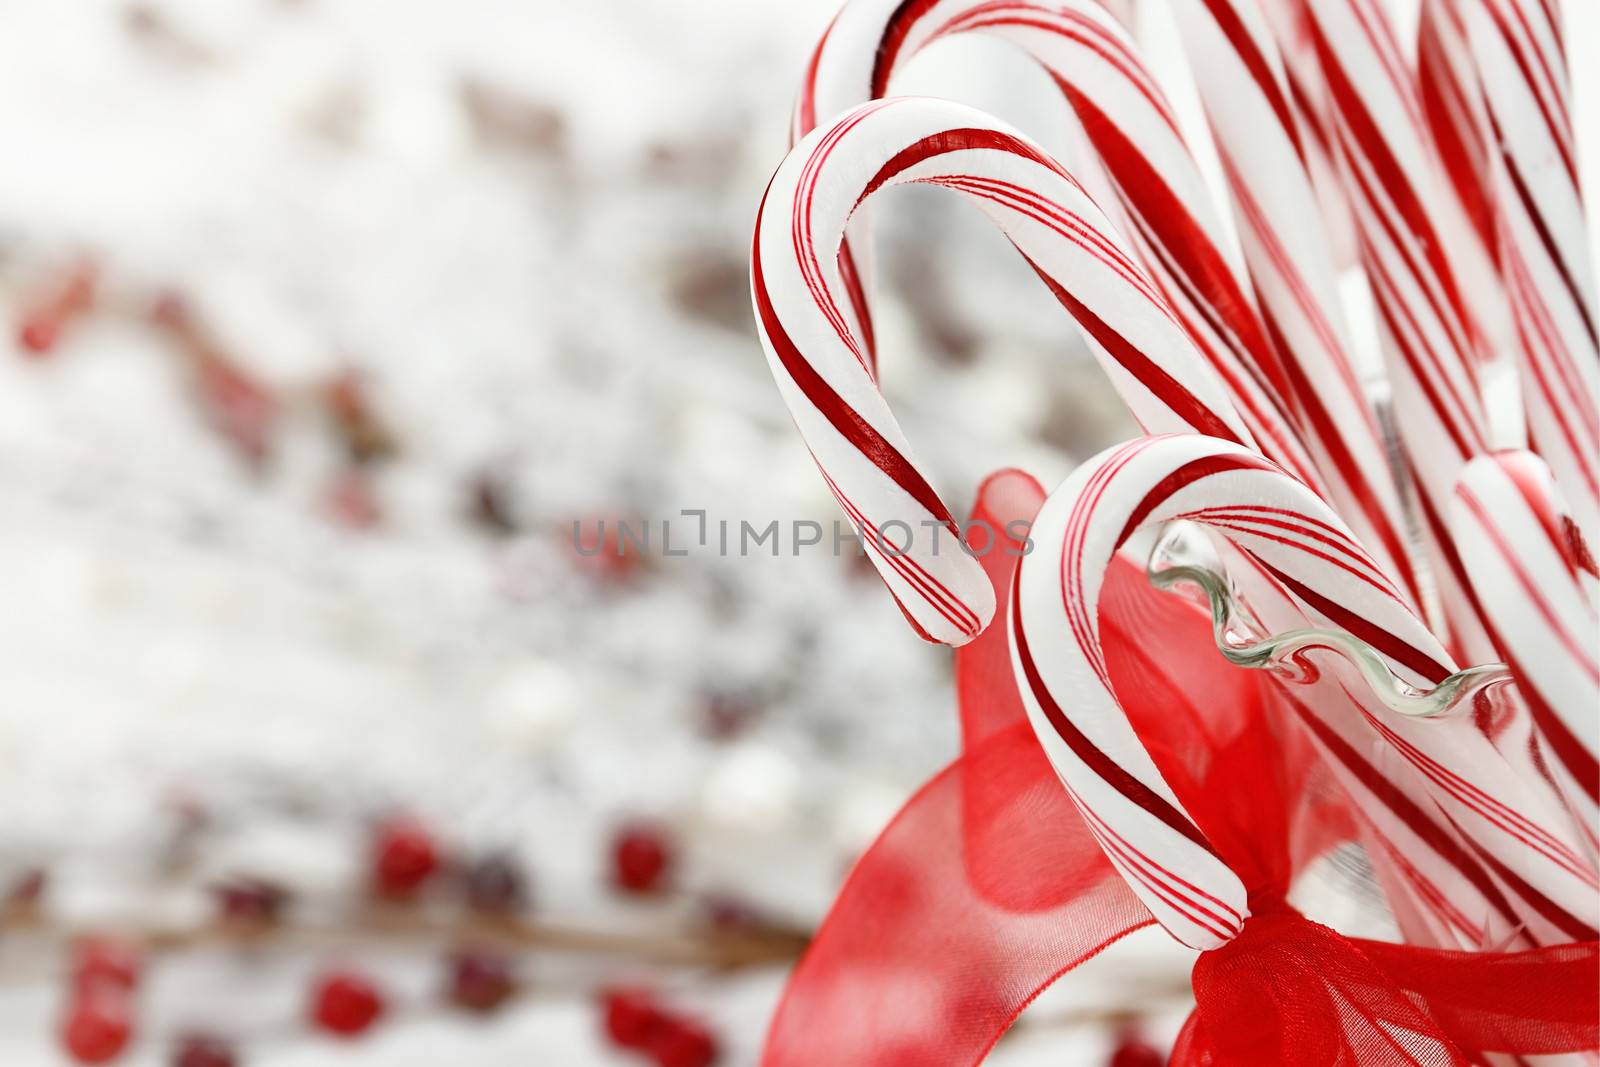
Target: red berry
(352, 502)
(345, 1003)
(404, 857)
(726, 716)
(601, 551)
(250, 902)
(1132, 1052)
(98, 1025)
(729, 915)
(683, 1043)
(480, 981)
(641, 856)
(243, 409)
(494, 885)
(43, 322)
(39, 333)
(631, 1016)
(28, 888)
(105, 962)
(203, 1050)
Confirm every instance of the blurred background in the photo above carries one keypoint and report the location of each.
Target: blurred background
(328, 320)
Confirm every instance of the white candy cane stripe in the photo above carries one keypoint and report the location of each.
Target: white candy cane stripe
(1311, 555)
(1545, 254)
(1527, 566)
(820, 364)
(1166, 206)
(1285, 241)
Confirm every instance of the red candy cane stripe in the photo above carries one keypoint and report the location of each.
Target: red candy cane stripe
(821, 366)
(1545, 256)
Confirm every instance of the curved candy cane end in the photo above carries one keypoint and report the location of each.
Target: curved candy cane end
(1061, 670)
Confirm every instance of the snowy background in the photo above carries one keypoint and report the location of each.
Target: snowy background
(385, 296)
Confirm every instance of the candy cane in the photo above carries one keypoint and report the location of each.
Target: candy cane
(1166, 211)
(1290, 24)
(824, 375)
(1445, 78)
(1431, 341)
(1066, 689)
(1393, 183)
(1452, 103)
(1302, 547)
(1545, 255)
(1285, 239)
(1529, 570)
(1467, 896)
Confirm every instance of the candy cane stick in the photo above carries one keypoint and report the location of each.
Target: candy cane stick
(1287, 392)
(1303, 547)
(1548, 909)
(824, 376)
(1285, 240)
(1444, 67)
(1452, 103)
(1529, 572)
(1469, 898)
(1290, 23)
(1390, 163)
(1430, 339)
(1545, 255)
(1066, 689)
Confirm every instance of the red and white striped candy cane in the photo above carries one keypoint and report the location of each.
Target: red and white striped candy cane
(1535, 579)
(1290, 23)
(1393, 180)
(1263, 148)
(1301, 547)
(1466, 886)
(1061, 673)
(1452, 103)
(1165, 207)
(821, 367)
(1398, 196)
(1445, 80)
(1545, 253)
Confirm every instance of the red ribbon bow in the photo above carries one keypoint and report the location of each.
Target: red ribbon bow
(987, 886)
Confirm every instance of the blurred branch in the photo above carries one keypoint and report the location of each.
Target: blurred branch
(755, 945)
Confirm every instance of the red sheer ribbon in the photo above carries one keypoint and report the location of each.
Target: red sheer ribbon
(987, 886)
(1291, 991)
